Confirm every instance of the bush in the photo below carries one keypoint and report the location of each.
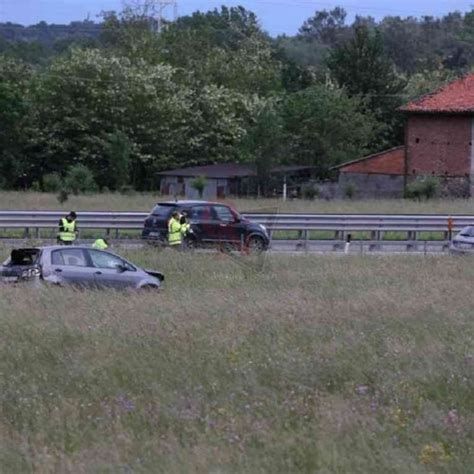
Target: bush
(350, 190)
(426, 188)
(309, 191)
(199, 184)
(52, 183)
(79, 179)
(63, 196)
(127, 190)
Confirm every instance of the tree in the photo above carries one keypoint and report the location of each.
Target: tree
(325, 127)
(223, 47)
(105, 112)
(132, 34)
(362, 68)
(199, 184)
(84, 100)
(79, 179)
(325, 27)
(263, 144)
(117, 154)
(15, 165)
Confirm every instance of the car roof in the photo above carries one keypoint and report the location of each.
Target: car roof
(57, 247)
(189, 203)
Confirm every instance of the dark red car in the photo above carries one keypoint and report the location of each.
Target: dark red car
(211, 224)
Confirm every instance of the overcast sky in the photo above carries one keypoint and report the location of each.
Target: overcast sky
(276, 16)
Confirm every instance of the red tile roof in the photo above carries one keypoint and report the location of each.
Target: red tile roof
(456, 98)
(386, 162)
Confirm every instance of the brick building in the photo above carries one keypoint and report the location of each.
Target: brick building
(439, 137)
(378, 175)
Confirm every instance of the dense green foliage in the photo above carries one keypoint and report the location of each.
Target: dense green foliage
(126, 101)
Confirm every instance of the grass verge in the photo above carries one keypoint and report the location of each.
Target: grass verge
(143, 202)
(282, 364)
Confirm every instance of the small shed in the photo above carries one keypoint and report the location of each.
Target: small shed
(227, 179)
(379, 175)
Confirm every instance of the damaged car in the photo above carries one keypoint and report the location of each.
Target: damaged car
(76, 265)
(463, 242)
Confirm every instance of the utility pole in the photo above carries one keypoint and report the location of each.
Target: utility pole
(159, 7)
(154, 11)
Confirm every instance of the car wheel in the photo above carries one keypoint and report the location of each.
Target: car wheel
(256, 244)
(149, 288)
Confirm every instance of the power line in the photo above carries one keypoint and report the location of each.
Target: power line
(306, 3)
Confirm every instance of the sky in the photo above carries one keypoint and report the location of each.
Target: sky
(276, 16)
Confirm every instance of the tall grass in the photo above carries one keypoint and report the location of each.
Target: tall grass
(144, 202)
(285, 364)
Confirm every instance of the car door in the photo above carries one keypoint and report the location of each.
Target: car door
(229, 228)
(204, 223)
(112, 271)
(70, 266)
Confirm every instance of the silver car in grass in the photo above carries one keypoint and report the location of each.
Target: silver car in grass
(76, 265)
(463, 242)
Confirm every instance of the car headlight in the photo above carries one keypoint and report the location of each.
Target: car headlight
(30, 273)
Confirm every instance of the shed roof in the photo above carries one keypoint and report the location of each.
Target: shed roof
(390, 161)
(457, 97)
(228, 170)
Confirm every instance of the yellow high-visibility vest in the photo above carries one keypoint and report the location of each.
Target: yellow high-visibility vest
(68, 234)
(100, 244)
(174, 232)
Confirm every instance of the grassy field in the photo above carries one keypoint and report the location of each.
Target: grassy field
(285, 364)
(144, 202)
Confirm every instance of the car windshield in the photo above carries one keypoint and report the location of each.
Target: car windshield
(467, 232)
(163, 210)
(22, 257)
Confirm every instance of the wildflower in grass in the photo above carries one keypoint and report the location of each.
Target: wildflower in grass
(434, 453)
(232, 356)
(399, 418)
(452, 420)
(125, 404)
(362, 389)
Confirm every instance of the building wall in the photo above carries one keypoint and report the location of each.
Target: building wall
(209, 190)
(367, 186)
(439, 145)
(214, 188)
(169, 185)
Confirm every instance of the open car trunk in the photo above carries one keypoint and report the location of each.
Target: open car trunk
(21, 265)
(22, 257)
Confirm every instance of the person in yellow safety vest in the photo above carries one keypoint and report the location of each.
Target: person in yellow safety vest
(67, 229)
(100, 244)
(175, 233)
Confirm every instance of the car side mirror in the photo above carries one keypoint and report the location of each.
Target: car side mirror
(237, 220)
(121, 268)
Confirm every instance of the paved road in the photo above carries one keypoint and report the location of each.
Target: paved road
(295, 246)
